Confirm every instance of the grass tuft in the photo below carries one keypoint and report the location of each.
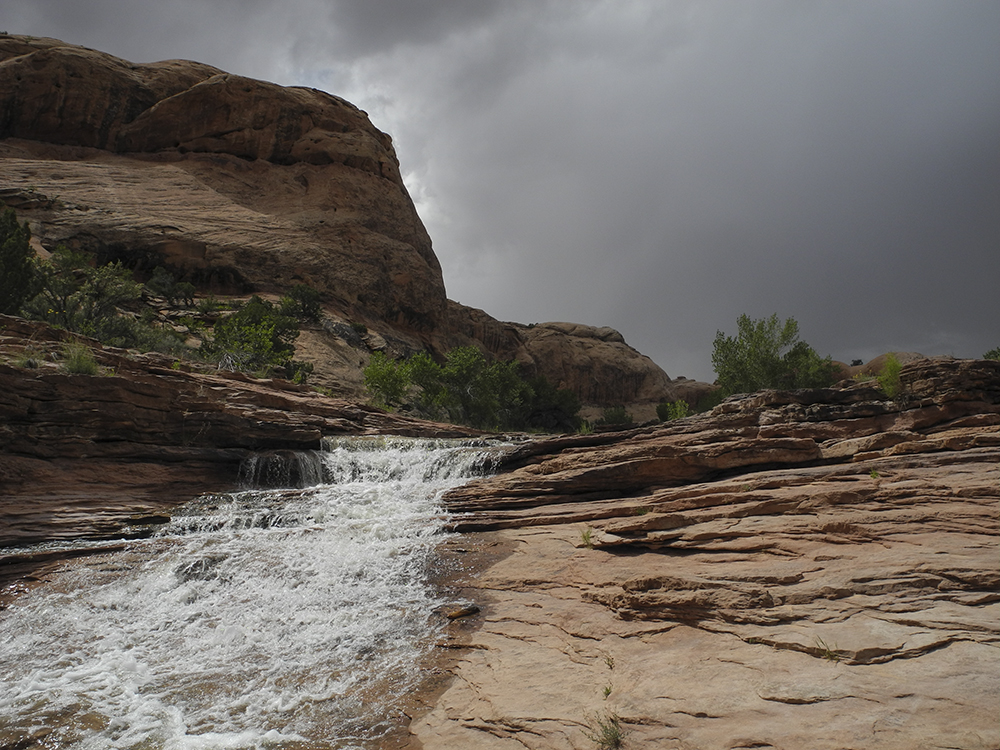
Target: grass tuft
(79, 360)
(606, 731)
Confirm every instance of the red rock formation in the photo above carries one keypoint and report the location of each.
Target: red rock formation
(82, 455)
(235, 184)
(807, 570)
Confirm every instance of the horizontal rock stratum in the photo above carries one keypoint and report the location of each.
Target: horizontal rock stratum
(811, 570)
(83, 456)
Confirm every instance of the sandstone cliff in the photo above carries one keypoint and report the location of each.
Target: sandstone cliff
(814, 569)
(238, 185)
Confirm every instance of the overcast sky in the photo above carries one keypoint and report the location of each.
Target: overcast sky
(658, 166)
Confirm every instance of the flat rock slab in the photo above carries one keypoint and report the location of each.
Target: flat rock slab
(895, 669)
(717, 583)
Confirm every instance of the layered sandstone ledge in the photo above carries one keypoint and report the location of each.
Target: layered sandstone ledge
(810, 570)
(100, 456)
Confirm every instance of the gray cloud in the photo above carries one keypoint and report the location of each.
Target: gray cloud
(660, 167)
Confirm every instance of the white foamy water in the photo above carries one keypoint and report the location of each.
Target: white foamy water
(262, 619)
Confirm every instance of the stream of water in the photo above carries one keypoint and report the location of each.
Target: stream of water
(261, 619)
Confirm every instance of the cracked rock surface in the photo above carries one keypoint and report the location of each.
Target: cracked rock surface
(719, 583)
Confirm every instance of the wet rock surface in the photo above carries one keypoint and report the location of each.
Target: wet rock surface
(795, 570)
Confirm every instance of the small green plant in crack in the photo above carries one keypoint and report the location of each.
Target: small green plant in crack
(874, 474)
(828, 653)
(605, 731)
(78, 360)
(888, 379)
(587, 537)
(607, 690)
(642, 511)
(609, 661)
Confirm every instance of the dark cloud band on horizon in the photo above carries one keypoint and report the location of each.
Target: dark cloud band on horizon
(660, 167)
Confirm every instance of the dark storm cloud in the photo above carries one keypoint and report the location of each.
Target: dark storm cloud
(370, 27)
(660, 167)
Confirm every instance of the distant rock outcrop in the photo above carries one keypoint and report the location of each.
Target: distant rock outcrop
(239, 185)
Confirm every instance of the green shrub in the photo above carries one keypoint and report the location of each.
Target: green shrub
(74, 295)
(17, 270)
(468, 389)
(298, 372)
(888, 378)
(767, 354)
(208, 305)
(29, 358)
(668, 411)
(550, 408)
(615, 415)
(163, 284)
(992, 354)
(79, 360)
(256, 338)
(709, 401)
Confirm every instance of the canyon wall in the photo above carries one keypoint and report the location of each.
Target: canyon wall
(239, 186)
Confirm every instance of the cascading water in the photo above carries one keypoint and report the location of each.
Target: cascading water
(261, 619)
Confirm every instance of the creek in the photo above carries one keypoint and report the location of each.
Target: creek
(267, 618)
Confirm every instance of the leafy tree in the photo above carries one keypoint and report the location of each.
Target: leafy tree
(992, 354)
(59, 280)
(256, 338)
(387, 380)
(17, 271)
(767, 354)
(163, 283)
(551, 408)
(432, 396)
(74, 295)
(103, 292)
(477, 391)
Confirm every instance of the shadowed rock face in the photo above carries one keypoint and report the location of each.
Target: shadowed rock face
(229, 181)
(814, 569)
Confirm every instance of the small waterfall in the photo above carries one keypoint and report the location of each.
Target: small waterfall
(282, 469)
(268, 618)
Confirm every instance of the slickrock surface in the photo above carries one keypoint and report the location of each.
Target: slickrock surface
(809, 570)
